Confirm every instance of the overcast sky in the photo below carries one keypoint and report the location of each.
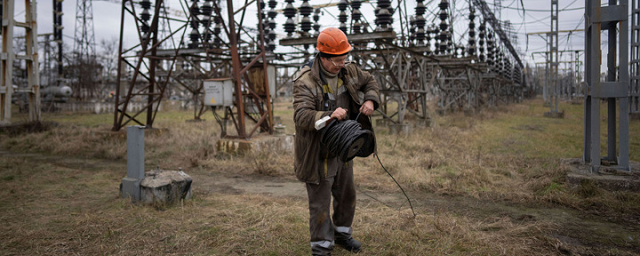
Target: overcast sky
(534, 16)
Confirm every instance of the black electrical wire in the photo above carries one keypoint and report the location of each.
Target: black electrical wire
(394, 180)
(347, 140)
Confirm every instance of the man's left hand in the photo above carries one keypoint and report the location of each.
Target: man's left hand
(367, 108)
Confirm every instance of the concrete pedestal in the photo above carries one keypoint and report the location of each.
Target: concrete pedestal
(554, 114)
(606, 178)
(162, 187)
(282, 143)
(400, 128)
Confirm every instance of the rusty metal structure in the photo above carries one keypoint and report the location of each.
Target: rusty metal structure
(208, 40)
(434, 58)
(419, 63)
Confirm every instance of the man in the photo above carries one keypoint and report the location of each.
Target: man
(339, 89)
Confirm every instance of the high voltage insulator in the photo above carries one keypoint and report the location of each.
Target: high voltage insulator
(428, 36)
(266, 29)
(490, 49)
(435, 31)
(342, 17)
(271, 22)
(207, 8)
(356, 15)
(316, 18)
(412, 30)
(444, 37)
(420, 22)
(207, 21)
(290, 12)
(472, 32)
(481, 36)
(305, 11)
(194, 35)
(450, 41)
(384, 14)
(145, 15)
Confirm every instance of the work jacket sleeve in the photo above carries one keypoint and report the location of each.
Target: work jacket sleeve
(365, 84)
(306, 106)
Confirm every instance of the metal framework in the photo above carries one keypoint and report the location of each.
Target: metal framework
(411, 72)
(553, 61)
(9, 56)
(634, 89)
(613, 19)
(188, 58)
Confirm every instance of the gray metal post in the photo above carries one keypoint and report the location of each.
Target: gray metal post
(614, 19)
(6, 74)
(634, 92)
(553, 48)
(135, 162)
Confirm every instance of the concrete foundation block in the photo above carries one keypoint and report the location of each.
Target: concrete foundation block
(162, 187)
(423, 122)
(559, 114)
(605, 178)
(279, 130)
(280, 143)
(400, 128)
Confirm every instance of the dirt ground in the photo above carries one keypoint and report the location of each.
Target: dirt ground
(575, 232)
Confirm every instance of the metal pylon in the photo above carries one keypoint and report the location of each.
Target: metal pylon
(553, 62)
(222, 49)
(30, 57)
(614, 90)
(634, 90)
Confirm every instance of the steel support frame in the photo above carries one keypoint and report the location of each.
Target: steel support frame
(31, 58)
(147, 54)
(612, 18)
(634, 90)
(554, 61)
(145, 58)
(403, 76)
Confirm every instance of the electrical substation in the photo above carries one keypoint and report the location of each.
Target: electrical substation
(234, 58)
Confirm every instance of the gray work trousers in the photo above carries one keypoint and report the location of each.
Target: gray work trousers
(336, 180)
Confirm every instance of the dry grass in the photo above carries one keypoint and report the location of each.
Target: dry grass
(487, 184)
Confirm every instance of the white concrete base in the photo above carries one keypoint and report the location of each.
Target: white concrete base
(161, 187)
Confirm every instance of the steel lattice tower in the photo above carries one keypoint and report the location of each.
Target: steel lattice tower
(84, 43)
(84, 52)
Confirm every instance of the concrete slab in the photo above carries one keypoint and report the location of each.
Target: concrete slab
(559, 114)
(282, 142)
(606, 178)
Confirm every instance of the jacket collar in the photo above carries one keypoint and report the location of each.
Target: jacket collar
(316, 71)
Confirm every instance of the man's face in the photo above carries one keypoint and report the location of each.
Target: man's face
(334, 64)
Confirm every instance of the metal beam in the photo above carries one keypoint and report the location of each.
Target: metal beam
(495, 23)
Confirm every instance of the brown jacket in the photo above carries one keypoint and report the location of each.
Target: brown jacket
(307, 104)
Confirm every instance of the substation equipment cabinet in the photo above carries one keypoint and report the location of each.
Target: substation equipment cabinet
(218, 92)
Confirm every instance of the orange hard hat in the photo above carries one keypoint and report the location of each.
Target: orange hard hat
(333, 41)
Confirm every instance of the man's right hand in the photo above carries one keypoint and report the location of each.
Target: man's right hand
(339, 114)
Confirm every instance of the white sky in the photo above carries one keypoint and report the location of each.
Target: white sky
(536, 18)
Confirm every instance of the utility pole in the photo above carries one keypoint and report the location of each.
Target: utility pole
(84, 47)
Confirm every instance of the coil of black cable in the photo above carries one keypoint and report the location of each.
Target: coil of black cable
(346, 139)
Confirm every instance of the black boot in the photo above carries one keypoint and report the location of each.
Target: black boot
(349, 244)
